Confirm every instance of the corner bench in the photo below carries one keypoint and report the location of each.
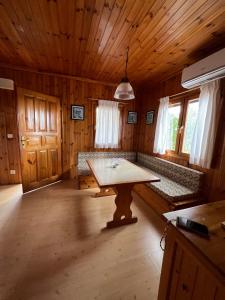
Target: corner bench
(180, 187)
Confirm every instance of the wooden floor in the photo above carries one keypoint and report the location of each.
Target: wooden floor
(53, 245)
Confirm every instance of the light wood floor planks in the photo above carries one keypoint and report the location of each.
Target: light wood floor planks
(53, 246)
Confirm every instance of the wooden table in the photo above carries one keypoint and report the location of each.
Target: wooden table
(122, 175)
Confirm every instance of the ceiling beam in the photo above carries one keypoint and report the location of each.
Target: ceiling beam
(25, 69)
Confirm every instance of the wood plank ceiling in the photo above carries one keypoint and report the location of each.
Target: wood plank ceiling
(88, 38)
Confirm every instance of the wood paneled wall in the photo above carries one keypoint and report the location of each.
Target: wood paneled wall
(214, 188)
(9, 147)
(76, 135)
(149, 100)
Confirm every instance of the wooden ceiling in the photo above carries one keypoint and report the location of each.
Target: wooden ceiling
(88, 38)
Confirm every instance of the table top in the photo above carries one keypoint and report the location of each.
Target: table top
(110, 172)
(211, 214)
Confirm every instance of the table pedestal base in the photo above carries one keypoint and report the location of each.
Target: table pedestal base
(105, 192)
(121, 222)
(123, 213)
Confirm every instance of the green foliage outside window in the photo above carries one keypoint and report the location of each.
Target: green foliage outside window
(191, 120)
(174, 114)
(190, 124)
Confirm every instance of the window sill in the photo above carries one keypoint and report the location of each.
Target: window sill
(183, 156)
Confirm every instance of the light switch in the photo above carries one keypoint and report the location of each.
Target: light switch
(9, 135)
(12, 172)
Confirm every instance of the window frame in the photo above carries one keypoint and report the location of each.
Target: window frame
(183, 100)
(172, 103)
(184, 126)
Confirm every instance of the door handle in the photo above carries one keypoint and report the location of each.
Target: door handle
(24, 139)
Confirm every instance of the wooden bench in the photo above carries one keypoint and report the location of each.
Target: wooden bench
(180, 187)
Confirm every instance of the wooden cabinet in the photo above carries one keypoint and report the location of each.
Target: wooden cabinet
(194, 267)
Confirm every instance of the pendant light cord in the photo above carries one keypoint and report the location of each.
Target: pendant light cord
(126, 62)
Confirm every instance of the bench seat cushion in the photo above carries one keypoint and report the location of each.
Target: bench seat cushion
(191, 179)
(169, 189)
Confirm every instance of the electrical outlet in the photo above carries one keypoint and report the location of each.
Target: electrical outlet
(12, 172)
(9, 135)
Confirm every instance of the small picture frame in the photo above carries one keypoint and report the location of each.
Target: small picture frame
(150, 117)
(132, 117)
(77, 112)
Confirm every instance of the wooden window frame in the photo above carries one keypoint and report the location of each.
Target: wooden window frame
(187, 102)
(176, 103)
(183, 100)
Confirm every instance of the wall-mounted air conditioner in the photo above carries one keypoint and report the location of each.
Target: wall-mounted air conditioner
(7, 84)
(205, 70)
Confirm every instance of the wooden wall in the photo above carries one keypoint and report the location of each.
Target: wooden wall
(77, 135)
(214, 188)
(9, 147)
(149, 100)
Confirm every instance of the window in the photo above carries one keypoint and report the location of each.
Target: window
(182, 118)
(107, 134)
(191, 118)
(173, 119)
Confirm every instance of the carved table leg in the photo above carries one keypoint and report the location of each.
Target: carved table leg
(123, 213)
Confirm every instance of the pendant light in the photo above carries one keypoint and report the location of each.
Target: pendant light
(124, 90)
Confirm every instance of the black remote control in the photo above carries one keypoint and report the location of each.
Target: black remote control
(192, 226)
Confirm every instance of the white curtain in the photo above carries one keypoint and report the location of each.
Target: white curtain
(107, 124)
(160, 143)
(205, 131)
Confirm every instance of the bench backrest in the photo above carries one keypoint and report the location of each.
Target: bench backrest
(188, 177)
(83, 167)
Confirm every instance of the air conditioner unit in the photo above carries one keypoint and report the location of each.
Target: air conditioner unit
(7, 84)
(205, 70)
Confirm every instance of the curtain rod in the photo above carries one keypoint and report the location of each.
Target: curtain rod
(96, 99)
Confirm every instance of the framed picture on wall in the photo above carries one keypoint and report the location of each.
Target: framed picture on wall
(77, 112)
(132, 117)
(150, 117)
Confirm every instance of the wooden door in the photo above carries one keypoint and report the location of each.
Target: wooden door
(40, 138)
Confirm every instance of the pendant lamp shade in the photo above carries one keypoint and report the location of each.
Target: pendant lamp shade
(124, 90)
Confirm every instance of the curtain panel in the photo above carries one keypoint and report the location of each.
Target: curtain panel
(205, 130)
(107, 124)
(160, 142)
